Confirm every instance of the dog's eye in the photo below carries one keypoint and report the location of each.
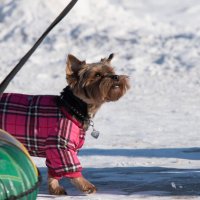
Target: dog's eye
(97, 75)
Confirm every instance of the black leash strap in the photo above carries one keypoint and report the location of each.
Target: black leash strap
(11, 75)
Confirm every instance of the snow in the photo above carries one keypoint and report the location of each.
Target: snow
(148, 146)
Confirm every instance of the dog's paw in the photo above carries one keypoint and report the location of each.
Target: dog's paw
(59, 190)
(55, 188)
(84, 185)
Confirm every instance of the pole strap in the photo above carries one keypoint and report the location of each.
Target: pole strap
(24, 59)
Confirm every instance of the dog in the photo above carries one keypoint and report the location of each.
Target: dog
(54, 126)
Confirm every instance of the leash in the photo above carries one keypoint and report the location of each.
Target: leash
(24, 59)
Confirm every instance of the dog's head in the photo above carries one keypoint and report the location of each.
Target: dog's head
(95, 83)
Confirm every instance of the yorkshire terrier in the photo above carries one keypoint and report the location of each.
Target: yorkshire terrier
(54, 126)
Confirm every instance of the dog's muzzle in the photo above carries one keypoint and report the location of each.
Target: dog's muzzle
(113, 77)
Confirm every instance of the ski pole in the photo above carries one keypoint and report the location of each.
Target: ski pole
(24, 59)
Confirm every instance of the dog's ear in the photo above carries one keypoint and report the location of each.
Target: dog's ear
(73, 65)
(108, 60)
(111, 56)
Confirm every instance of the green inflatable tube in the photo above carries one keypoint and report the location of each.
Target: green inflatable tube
(19, 177)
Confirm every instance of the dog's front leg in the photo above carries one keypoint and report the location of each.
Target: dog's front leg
(84, 185)
(54, 187)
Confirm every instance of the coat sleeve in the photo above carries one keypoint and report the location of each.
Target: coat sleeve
(63, 163)
(61, 151)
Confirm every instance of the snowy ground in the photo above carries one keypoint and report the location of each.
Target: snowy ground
(149, 142)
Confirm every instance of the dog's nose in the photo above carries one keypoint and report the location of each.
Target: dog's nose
(115, 77)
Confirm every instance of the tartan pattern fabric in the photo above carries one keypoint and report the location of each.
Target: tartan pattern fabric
(45, 130)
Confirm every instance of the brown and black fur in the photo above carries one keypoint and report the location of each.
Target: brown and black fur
(89, 86)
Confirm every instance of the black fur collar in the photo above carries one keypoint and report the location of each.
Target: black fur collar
(75, 106)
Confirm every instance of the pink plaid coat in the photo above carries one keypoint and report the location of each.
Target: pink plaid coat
(46, 131)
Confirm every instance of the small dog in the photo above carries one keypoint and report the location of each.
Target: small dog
(54, 126)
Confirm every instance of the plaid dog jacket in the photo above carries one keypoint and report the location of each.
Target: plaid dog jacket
(45, 130)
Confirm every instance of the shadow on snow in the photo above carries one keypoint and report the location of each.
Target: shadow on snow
(137, 180)
(182, 153)
(149, 181)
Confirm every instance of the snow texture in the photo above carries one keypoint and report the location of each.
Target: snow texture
(148, 146)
